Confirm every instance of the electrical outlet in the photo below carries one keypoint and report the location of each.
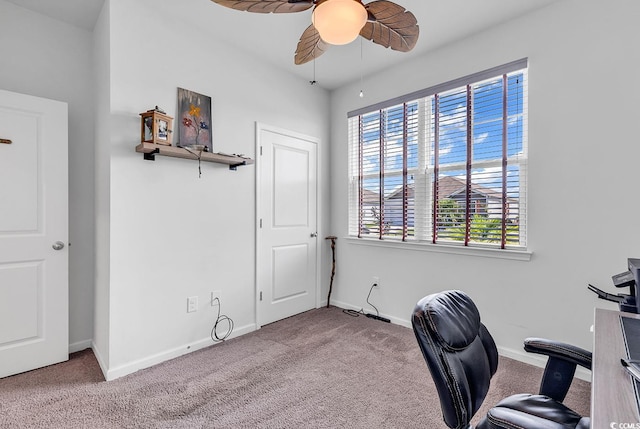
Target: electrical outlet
(376, 280)
(192, 304)
(215, 294)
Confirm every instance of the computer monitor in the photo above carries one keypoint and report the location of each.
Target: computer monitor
(634, 269)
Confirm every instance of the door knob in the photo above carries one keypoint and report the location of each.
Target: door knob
(314, 234)
(58, 245)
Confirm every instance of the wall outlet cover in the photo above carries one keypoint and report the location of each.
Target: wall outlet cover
(192, 304)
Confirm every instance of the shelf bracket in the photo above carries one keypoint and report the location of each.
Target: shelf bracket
(234, 167)
(151, 156)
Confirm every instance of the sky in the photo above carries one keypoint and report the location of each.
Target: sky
(487, 119)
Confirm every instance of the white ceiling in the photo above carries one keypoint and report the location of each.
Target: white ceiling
(273, 37)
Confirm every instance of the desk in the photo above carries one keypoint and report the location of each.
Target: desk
(612, 395)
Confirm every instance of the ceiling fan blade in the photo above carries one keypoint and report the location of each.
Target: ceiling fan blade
(267, 6)
(310, 46)
(392, 26)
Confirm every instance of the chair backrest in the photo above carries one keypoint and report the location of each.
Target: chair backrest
(459, 351)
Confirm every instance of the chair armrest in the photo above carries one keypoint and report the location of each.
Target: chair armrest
(561, 365)
(556, 349)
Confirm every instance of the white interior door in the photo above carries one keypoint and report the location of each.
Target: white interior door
(287, 241)
(33, 220)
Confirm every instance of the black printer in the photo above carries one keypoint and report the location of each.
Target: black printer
(629, 303)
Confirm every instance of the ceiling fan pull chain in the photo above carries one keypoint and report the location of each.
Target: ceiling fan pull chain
(313, 82)
(361, 67)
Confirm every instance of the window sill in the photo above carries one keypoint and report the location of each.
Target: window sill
(486, 252)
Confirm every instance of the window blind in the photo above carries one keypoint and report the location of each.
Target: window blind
(448, 166)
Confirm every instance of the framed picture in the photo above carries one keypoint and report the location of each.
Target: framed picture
(194, 120)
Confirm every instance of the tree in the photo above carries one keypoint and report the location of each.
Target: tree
(385, 226)
(450, 213)
(483, 230)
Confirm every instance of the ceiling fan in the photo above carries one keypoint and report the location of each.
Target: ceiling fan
(338, 22)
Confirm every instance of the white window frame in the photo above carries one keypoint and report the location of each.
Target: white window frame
(423, 173)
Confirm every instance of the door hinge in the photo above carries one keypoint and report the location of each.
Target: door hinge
(260, 295)
(260, 223)
(260, 150)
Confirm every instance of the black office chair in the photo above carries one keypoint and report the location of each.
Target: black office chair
(462, 358)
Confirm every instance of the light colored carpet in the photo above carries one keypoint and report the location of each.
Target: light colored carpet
(319, 369)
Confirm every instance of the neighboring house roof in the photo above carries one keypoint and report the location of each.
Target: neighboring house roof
(449, 186)
(370, 197)
(398, 192)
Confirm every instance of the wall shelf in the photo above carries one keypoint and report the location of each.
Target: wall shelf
(150, 150)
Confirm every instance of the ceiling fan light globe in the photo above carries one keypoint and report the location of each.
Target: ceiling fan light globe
(339, 21)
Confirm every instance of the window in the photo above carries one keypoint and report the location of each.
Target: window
(444, 165)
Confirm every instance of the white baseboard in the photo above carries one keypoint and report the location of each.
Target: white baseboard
(99, 358)
(131, 367)
(521, 356)
(80, 345)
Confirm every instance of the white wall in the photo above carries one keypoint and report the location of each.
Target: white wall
(171, 233)
(51, 59)
(163, 234)
(102, 90)
(583, 174)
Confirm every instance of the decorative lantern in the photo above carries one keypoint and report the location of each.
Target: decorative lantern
(156, 127)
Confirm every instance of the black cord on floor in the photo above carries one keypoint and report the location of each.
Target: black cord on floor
(356, 313)
(221, 318)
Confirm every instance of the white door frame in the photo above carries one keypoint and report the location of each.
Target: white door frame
(259, 128)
